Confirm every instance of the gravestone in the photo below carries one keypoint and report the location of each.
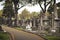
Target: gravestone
(28, 27)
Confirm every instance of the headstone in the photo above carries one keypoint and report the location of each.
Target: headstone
(28, 27)
(53, 31)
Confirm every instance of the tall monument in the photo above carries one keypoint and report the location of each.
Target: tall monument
(55, 10)
(55, 16)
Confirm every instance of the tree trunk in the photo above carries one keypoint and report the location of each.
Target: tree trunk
(16, 12)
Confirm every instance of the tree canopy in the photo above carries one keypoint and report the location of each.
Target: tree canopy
(1, 12)
(8, 9)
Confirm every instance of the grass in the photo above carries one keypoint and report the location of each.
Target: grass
(52, 37)
(4, 36)
(18, 28)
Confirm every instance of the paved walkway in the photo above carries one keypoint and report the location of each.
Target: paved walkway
(21, 35)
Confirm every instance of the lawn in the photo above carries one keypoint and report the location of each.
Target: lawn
(52, 37)
(4, 36)
(18, 28)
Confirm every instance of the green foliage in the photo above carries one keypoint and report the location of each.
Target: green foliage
(1, 12)
(52, 38)
(34, 15)
(4, 36)
(8, 9)
(25, 14)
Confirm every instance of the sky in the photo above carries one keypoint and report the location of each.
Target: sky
(1, 6)
(35, 8)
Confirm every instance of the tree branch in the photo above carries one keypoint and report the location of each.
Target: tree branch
(41, 7)
(21, 6)
(45, 6)
(48, 3)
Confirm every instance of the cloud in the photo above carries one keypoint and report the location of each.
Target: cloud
(35, 8)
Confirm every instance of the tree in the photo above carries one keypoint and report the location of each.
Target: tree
(16, 8)
(8, 11)
(55, 8)
(25, 14)
(1, 19)
(1, 12)
(34, 15)
(34, 20)
(40, 2)
(44, 10)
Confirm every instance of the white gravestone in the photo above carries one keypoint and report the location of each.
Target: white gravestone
(28, 27)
